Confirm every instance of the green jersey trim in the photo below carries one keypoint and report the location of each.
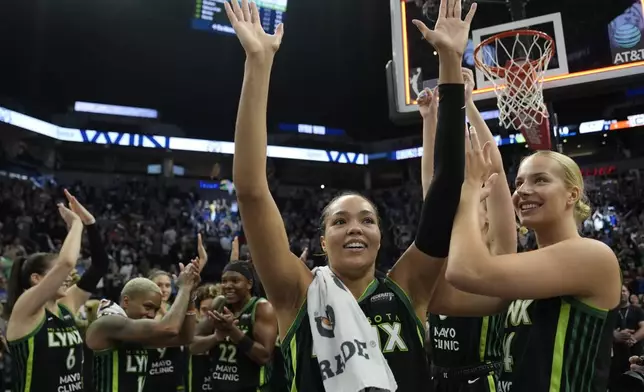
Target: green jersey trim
(587, 308)
(485, 326)
(190, 374)
(400, 293)
(565, 348)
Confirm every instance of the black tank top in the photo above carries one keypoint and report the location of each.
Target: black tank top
(198, 377)
(466, 341)
(166, 370)
(51, 357)
(556, 344)
(402, 339)
(233, 370)
(123, 368)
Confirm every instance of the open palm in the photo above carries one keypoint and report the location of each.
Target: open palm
(248, 27)
(450, 32)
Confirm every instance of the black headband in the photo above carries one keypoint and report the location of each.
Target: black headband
(240, 268)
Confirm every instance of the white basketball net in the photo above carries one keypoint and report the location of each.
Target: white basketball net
(518, 83)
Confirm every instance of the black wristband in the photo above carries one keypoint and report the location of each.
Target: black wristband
(245, 344)
(443, 196)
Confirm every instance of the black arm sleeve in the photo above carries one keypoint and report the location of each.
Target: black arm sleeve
(100, 262)
(443, 195)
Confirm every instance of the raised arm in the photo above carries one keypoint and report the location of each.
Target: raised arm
(419, 268)
(284, 277)
(81, 291)
(108, 330)
(502, 230)
(32, 301)
(543, 273)
(501, 233)
(428, 108)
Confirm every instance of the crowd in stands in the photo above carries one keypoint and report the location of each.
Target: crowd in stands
(146, 226)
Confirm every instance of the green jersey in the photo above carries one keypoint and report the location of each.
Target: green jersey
(556, 344)
(401, 335)
(123, 368)
(466, 341)
(51, 357)
(233, 370)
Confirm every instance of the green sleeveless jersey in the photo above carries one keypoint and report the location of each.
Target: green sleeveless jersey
(51, 357)
(198, 374)
(401, 334)
(123, 368)
(277, 378)
(466, 341)
(556, 344)
(166, 369)
(233, 370)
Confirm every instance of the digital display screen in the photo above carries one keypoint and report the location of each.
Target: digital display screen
(210, 15)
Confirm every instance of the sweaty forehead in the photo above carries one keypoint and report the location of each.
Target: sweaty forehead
(351, 204)
(538, 164)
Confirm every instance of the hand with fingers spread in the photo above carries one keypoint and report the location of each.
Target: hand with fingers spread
(69, 216)
(468, 79)
(74, 205)
(451, 32)
(247, 24)
(478, 165)
(428, 103)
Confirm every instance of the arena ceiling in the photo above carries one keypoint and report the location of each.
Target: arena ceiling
(330, 70)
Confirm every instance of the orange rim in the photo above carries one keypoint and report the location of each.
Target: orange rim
(505, 34)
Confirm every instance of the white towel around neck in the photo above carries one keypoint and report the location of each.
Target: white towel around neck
(343, 336)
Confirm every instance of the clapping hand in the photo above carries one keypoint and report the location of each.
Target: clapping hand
(468, 79)
(189, 275)
(74, 205)
(68, 215)
(223, 321)
(478, 165)
(248, 27)
(428, 103)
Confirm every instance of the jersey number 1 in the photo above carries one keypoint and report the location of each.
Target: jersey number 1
(141, 383)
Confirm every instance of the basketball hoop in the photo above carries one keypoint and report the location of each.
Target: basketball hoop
(515, 62)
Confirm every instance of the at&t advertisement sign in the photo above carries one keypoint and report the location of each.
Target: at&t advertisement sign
(625, 34)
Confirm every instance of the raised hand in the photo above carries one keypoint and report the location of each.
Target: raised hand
(468, 78)
(478, 164)
(450, 33)
(68, 215)
(74, 205)
(305, 255)
(189, 275)
(428, 103)
(248, 27)
(201, 251)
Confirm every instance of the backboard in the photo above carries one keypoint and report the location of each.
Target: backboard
(592, 52)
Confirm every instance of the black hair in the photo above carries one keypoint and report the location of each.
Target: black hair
(325, 211)
(20, 278)
(257, 288)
